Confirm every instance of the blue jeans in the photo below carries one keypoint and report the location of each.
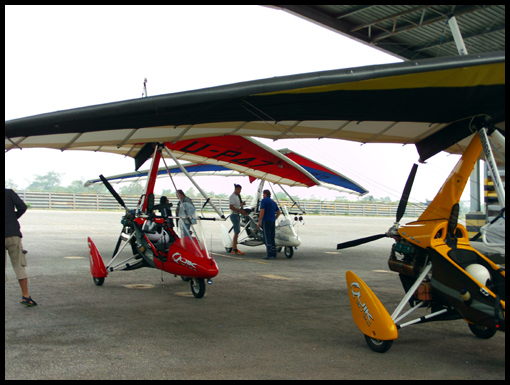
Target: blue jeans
(268, 228)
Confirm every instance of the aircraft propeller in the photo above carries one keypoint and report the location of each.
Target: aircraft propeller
(112, 191)
(400, 213)
(405, 194)
(121, 202)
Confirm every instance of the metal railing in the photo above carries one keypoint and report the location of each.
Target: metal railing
(71, 201)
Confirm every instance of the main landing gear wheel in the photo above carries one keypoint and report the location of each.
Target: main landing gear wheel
(481, 331)
(198, 287)
(98, 281)
(289, 251)
(378, 345)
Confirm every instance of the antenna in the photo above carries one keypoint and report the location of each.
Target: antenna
(144, 88)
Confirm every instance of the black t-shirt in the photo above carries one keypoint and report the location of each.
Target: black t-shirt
(14, 208)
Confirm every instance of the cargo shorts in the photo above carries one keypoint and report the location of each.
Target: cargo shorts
(18, 259)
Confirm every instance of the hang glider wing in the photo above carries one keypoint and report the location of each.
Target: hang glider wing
(327, 177)
(236, 156)
(429, 103)
(191, 168)
(245, 155)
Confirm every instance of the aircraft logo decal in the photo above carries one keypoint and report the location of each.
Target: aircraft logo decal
(363, 307)
(183, 261)
(227, 155)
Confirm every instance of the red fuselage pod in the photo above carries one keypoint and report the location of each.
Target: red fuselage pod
(188, 259)
(97, 267)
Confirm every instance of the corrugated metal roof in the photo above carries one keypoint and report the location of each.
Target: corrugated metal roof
(412, 31)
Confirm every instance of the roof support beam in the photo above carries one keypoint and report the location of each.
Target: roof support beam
(427, 21)
(465, 36)
(395, 16)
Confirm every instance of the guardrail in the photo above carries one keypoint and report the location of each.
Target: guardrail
(70, 201)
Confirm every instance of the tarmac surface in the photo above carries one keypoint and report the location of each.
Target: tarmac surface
(276, 319)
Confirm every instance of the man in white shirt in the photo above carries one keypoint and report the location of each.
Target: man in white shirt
(236, 211)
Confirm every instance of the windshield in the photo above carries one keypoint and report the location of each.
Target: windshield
(192, 234)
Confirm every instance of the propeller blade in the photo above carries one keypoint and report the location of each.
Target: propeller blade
(112, 191)
(405, 195)
(360, 241)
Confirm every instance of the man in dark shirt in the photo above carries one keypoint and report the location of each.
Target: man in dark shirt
(269, 213)
(15, 208)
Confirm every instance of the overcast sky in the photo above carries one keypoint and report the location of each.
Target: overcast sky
(61, 57)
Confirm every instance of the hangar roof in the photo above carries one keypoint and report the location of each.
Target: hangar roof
(411, 32)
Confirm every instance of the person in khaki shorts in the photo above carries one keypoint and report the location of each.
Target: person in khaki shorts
(15, 208)
(236, 204)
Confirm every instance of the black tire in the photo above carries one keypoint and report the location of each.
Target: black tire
(197, 287)
(289, 251)
(98, 281)
(185, 279)
(378, 345)
(481, 331)
(228, 249)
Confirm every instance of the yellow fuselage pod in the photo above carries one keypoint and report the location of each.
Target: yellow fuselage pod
(450, 193)
(368, 313)
(431, 227)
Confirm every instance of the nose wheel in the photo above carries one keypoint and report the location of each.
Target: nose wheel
(378, 346)
(197, 287)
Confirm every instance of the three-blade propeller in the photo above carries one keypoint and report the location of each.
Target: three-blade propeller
(400, 213)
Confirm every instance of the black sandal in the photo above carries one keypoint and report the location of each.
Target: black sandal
(28, 301)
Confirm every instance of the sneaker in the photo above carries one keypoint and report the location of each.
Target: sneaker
(239, 252)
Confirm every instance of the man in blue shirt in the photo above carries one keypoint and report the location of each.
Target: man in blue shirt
(269, 213)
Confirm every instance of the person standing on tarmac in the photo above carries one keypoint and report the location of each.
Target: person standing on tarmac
(236, 211)
(269, 213)
(14, 209)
